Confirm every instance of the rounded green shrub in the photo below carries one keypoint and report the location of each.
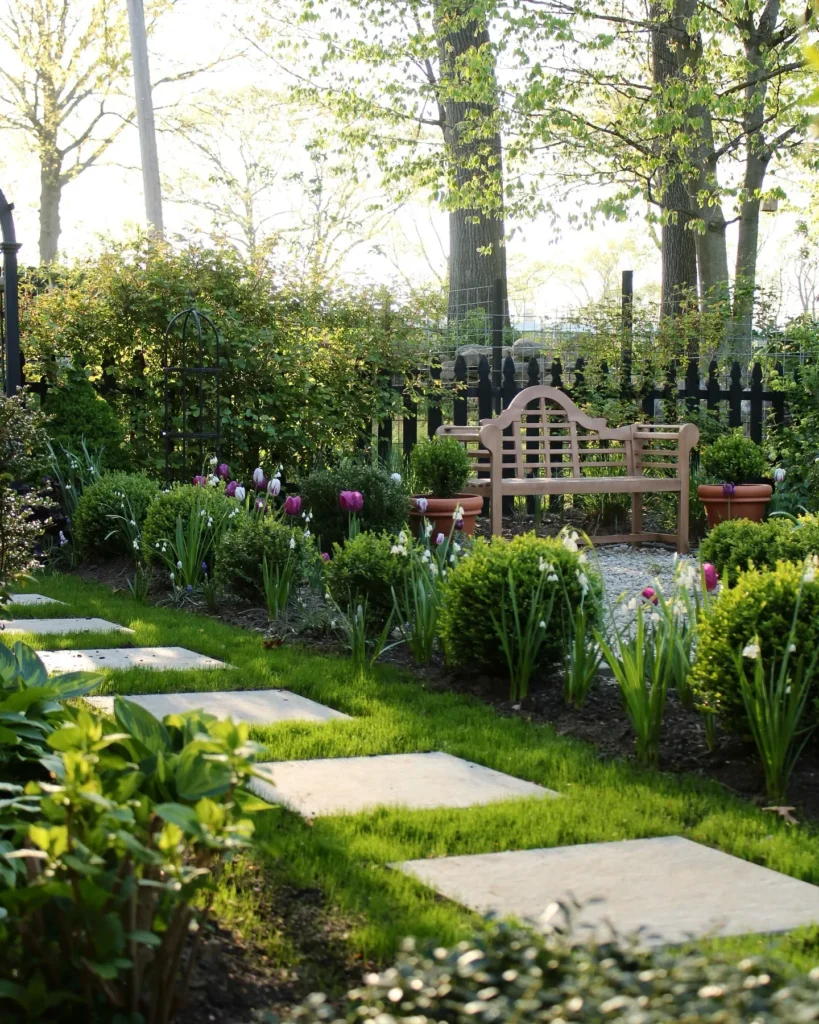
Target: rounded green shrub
(506, 974)
(475, 588)
(759, 609)
(92, 522)
(440, 466)
(243, 549)
(734, 458)
(365, 569)
(182, 500)
(76, 412)
(738, 544)
(385, 503)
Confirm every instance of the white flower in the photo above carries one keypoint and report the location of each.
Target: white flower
(551, 578)
(458, 513)
(63, 539)
(456, 547)
(570, 541)
(792, 649)
(258, 475)
(274, 487)
(213, 480)
(433, 568)
(544, 566)
(654, 617)
(542, 624)
(402, 538)
(210, 521)
(306, 534)
(427, 556)
(583, 580)
(632, 605)
(583, 557)
(172, 575)
(178, 565)
(398, 549)
(779, 475)
(428, 530)
(421, 504)
(750, 651)
(240, 493)
(811, 566)
(292, 543)
(136, 545)
(395, 477)
(157, 545)
(201, 512)
(451, 559)
(213, 460)
(133, 522)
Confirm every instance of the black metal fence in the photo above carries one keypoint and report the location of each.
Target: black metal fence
(462, 403)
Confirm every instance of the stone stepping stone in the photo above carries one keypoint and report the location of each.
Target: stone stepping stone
(258, 707)
(672, 888)
(44, 627)
(125, 658)
(346, 785)
(32, 599)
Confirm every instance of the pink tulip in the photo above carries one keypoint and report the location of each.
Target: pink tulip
(351, 501)
(292, 505)
(650, 594)
(200, 481)
(710, 575)
(230, 490)
(325, 556)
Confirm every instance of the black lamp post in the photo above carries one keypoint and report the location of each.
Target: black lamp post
(9, 246)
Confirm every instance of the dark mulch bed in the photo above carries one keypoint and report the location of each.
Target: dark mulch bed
(233, 977)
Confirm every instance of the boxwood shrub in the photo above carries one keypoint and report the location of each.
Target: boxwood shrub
(363, 569)
(506, 974)
(739, 544)
(385, 504)
(760, 608)
(474, 590)
(242, 550)
(92, 523)
(181, 500)
(76, 413)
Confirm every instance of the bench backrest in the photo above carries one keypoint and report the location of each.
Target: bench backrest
(543, 430)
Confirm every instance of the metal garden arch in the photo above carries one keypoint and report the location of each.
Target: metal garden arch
(9, 246)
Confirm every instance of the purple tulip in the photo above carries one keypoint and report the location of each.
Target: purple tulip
(259, 504)
(650, 594)
(729, 490)
(224, 471)
(710, 575)
(292, 505)
(325, 556)
(440, 539)
(274, 487)
(351, 501)
(779, 475)
(230, 490)
(259, 481)
(200, 481)
(459, 524)
(421, 505)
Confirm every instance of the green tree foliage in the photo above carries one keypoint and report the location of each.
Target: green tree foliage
(302, 369)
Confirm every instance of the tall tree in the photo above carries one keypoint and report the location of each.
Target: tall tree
(64, 73)
(414, 82)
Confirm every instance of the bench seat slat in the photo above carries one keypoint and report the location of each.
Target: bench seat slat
(583, 484)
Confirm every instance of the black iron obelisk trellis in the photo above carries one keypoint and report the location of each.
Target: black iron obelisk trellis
(9, 246)
(185, 374)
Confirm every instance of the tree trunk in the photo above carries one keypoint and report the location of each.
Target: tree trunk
(472, 138)
(669, 49)
(51, 187)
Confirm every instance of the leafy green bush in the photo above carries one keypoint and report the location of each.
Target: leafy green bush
(242, 550)
(440, 466)
(385, 504)
(76, 412)
(737, 544)
(182, 500)
(758, 610)
(106, 866)
(23, 439)
(734, 458)
(505, 974)
(366, 569)
(475, 588)
(19, 533)
(92, 520)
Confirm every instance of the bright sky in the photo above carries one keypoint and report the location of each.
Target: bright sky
(549, 272)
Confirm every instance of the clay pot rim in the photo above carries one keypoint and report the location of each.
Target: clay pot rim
(466, 500)
(755, 491)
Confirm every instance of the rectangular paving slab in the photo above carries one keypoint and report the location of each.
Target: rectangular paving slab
(45, 627)
(671, 888)
(259, 707)
(342, 785)
(126, 657)
(32, 599)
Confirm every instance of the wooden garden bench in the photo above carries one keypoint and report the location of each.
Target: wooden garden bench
(543, 444)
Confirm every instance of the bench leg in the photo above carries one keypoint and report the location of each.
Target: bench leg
(682, 521)
(636, 515)
(496, 512)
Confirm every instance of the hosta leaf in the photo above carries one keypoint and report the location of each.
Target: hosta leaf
(141, 724)
(32, 669)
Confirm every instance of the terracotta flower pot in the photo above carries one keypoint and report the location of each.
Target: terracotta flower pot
(749, 501)
(439, 513)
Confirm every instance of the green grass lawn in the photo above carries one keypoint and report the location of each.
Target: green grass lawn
(347, 857)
